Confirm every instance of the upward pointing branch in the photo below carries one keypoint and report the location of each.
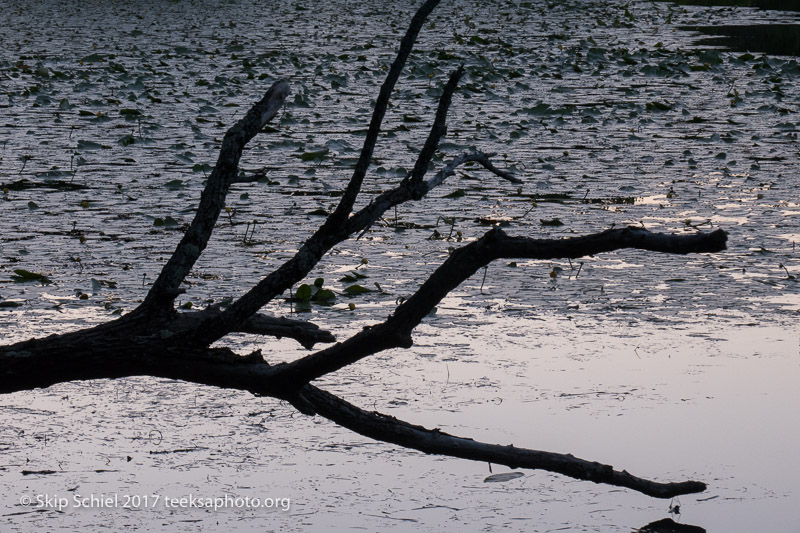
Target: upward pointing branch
(438, 129)
(212, 200)
(345, 206)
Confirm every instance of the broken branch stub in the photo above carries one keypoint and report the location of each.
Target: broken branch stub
(279, 92)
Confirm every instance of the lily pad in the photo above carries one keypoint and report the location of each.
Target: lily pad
(356, 289)
(318, 155)
(303, 292)
(501, 478)
(21, 275)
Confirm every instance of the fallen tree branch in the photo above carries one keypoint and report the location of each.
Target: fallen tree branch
(307, 257)
(154, 340)
(330, 233)
(44, 362)
(389, 429)
(338, 226)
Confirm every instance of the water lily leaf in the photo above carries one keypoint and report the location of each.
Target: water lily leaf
(303, 292)
(458, 193)
(659, 106)
(88, 145)
(127, 140)
(318, 155)
(21, 275)
(92, 58)
(352, 277)
(185, 157)
(500, 478)
(324, 295)
(356, 289)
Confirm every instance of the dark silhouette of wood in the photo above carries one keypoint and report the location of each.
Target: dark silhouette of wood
(155, 340)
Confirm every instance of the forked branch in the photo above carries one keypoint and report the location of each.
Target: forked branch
(345, 206)
(339, 225)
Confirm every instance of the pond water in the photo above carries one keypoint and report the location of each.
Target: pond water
(611, 113)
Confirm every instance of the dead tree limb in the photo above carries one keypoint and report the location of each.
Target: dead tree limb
(335, 229)
(433, 441)
(463, 262)
(438, 130)
(155, 340)
(306, 333)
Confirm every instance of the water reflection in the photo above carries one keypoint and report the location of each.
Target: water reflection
(668, 525)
